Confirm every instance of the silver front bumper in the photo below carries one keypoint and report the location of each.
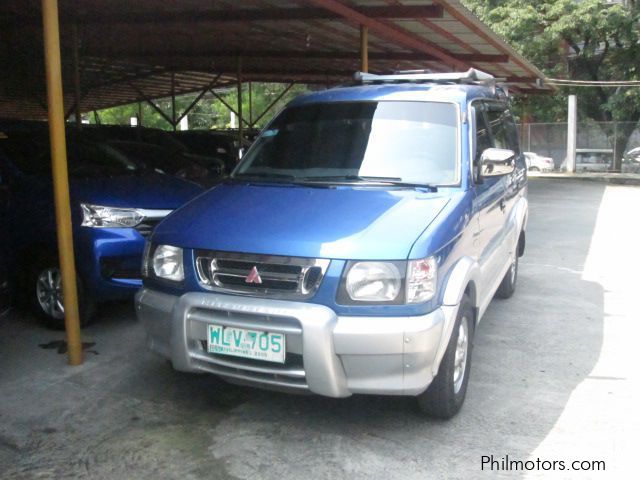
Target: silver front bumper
(326, 354)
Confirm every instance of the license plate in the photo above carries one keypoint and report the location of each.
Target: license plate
(240, 342)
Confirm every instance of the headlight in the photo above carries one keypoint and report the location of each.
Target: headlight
(389, 282)
(421, 279)
(98, 216)
(167, 263)
(373, 281)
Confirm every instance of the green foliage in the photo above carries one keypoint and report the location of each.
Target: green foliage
(209, 112)
(579, 40)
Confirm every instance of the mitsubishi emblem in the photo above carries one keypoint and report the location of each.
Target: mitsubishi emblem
(254, 276)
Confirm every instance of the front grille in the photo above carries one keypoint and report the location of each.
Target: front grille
(150, 218)
(147, 226)
(267, 275)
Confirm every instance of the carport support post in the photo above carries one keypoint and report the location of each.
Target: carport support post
(173, 101)
(55, 108)
(76, 76)
(572, 133)
(364, 48)
(250, 105)
(240, 142)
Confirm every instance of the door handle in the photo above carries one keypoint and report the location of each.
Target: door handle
(503, 206)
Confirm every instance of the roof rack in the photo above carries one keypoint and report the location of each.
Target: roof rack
(471, 76)
(424, 76)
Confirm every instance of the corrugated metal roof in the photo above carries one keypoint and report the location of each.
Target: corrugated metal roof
(129, 51)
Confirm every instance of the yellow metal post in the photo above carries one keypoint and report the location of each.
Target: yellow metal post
(364, 48)
(55, 106)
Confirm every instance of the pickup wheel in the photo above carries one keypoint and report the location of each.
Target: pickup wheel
(44, 288)
(508, 284)
(445, 396)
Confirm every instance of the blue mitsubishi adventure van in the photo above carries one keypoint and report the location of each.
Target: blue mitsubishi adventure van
(354, 249)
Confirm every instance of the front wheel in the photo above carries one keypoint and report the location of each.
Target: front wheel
(45, 289)
(445, 396)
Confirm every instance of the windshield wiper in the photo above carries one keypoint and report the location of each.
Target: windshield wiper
(263, 176)
(395, 181)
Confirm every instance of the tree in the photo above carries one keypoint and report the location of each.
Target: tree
(578, 40)
(209, 112)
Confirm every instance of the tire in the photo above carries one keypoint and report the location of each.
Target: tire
(43, 286)
(534, 169)
(508, 284)
(445, 396)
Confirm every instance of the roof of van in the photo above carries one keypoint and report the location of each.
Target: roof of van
(455, 93)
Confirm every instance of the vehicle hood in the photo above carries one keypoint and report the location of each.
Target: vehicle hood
(339, 222)
(141, 191)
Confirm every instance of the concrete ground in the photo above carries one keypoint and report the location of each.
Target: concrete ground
(554, 377)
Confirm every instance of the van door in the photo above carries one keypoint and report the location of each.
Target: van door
(490, 202)
(505, 135)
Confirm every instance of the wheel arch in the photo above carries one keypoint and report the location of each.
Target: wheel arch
(463, 278)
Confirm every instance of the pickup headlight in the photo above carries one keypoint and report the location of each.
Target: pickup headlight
(167, 263)
(399, 282)
(99, 216)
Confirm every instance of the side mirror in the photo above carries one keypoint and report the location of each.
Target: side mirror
(495, 162)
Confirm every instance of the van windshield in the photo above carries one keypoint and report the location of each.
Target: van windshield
(412, 142)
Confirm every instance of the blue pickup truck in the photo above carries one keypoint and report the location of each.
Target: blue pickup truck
(115, 203)
(354, 249)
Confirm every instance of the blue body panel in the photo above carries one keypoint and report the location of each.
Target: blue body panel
(338, 222)
(31, 222)
(150, 190)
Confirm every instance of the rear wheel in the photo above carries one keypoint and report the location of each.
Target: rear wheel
(44, 287)
(508, 284)
(445, 396)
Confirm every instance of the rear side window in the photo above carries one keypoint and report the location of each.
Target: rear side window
(503, 129)
(483, 139)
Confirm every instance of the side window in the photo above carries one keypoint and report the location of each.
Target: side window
(503, 130)
(512, 133)
(498, 128)
(483, 140)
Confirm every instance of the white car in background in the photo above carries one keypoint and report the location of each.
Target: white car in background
(631, 161)
(591, 160)
(538, 163)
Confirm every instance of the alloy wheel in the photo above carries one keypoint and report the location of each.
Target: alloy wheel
(460, 357)
(49, 292)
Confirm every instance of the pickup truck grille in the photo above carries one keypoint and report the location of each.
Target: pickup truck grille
(147, 226)
(151, 218)
(265, 275)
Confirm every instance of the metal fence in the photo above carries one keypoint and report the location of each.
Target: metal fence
(595, 141)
